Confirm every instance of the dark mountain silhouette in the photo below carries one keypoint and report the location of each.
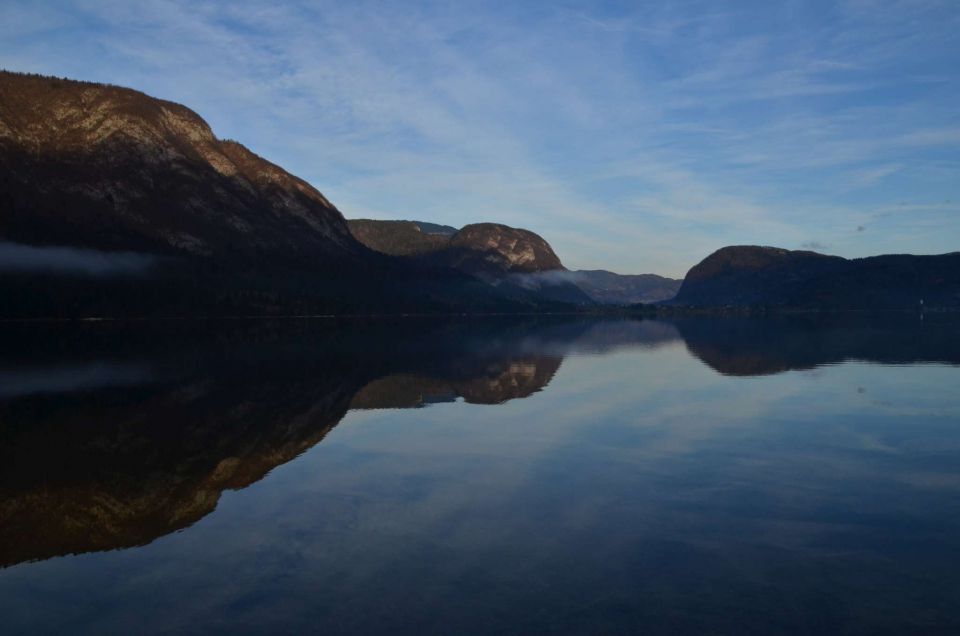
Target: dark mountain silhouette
(752, 276)
(96, 177)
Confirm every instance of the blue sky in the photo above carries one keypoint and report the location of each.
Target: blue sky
(634, 136)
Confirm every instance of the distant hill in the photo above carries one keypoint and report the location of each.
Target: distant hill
(744, 276)
(512, 259)
(400, 238)
(482, 248)
(497, 252)
(492, 247)
(625, 289)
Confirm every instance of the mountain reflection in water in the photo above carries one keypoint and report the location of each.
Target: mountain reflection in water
(113, 435)
(87, 467)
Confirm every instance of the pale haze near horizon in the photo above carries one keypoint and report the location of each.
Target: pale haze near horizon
(635, 137)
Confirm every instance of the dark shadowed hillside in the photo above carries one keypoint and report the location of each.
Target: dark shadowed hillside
(744, 276)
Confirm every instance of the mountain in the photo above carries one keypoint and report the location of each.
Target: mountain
(486, 249)
(609, 288)
(116, 203)
(492, 248)
(110, 168)
(495, 252)
(516, 261)
(753, 276)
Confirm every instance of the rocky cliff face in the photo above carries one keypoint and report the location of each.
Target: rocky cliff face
(492, 246)
(743, 276)
(104, 167)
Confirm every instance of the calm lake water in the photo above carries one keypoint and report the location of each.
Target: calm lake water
(484, 476)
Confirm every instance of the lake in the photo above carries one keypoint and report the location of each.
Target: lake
(551, 475)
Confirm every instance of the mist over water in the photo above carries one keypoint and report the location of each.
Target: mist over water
(512, 476)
